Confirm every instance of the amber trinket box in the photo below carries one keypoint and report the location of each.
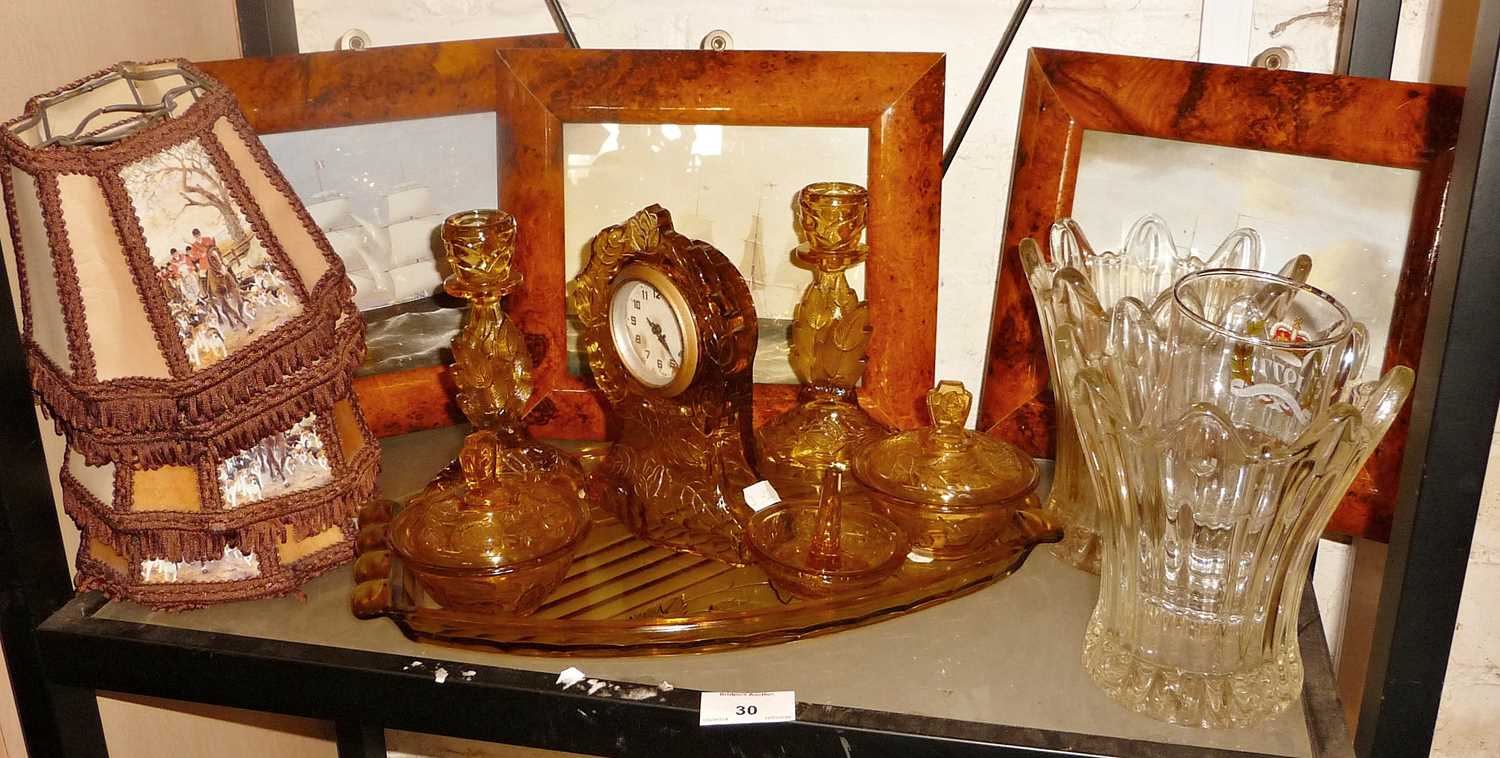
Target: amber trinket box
(950, 488)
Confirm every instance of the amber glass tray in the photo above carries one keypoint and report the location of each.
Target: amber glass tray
(624, 596)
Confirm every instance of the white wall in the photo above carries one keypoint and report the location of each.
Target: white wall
(1469, 714)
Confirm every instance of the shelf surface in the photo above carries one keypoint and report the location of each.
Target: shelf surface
(1006, 656)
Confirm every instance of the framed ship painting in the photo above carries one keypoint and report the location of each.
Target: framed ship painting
(381, 145)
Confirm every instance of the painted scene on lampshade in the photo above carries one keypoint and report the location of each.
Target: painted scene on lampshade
(280, 464)
(221, 287)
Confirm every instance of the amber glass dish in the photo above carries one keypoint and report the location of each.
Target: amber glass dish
(504, 557)
(826, 547)
(952, 489)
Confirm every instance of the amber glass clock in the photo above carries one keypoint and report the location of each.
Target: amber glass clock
(653, 330)
(670, 332)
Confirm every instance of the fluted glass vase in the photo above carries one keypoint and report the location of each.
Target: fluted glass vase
(1146, 266)
(1221, 428)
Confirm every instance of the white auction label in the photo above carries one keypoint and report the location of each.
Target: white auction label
(761, 495)
(747, 707)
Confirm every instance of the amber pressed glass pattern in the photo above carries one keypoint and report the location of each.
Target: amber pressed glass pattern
(625, 596)
(1221, 429)
(504, 554)
(494, 532)
(829, 333)
(819, 548)
(949, 488)
(679, 464)
(1144, 269)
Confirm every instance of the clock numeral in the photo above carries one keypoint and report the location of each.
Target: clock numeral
(655, 295)
(636, 304)
(632, 320)
(658, 364)
(673, 364)
(639, 340)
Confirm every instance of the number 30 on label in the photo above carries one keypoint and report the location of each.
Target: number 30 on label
(747, 708)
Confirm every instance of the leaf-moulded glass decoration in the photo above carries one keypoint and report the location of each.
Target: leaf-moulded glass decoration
(829, 334)
(1221, 427)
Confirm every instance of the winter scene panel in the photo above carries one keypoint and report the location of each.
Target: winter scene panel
(280, 464)
(222, 289)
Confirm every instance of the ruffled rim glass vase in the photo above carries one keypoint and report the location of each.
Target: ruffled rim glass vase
(1221, 429)
(1145, 268)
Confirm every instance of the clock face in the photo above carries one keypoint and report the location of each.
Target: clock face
(648, 333)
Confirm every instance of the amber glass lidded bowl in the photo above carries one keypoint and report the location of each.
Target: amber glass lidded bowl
(495, 533)
(952, 490)
(496, 550)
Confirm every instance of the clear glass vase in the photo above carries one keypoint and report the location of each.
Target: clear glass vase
(1146, 266)
(1221, 428)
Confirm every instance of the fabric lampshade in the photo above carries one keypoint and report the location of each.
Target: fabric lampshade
(190, 331)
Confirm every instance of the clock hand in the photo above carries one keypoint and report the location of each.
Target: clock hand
(661, 335)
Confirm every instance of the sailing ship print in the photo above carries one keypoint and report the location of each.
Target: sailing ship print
(775, 301)
(392, 256)
(221, 288)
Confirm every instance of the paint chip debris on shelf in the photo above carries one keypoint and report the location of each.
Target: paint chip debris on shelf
(569, 677)
(603, 688)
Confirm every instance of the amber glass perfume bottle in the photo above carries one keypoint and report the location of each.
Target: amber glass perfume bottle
(830, 331)
(495, 534)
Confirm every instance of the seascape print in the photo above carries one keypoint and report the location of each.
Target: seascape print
(280, 464)
(221, 287)
(1351, 218)
(732, 186)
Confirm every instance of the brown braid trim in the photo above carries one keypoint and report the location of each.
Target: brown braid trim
(312, 388)
(80, 353)
(280, 580)
(268, 167)
(242, 384)
(153, 299)
(240, 193)
(109, 417)
(9, 194)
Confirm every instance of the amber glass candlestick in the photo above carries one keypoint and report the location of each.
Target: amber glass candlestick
(490, 363)
(496, 533)
(830, 332)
